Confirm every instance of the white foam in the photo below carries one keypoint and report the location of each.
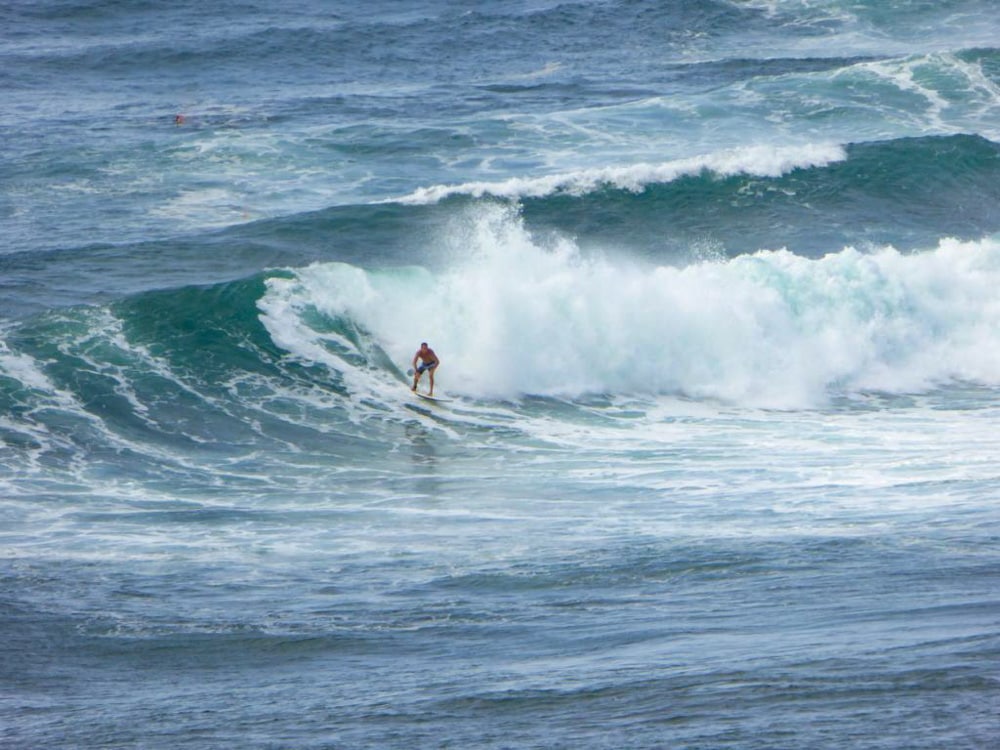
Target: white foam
(209, 207)
(762, 161)
(956, 93)
(23, 369)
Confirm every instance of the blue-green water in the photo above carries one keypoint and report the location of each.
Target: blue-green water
(713, 286)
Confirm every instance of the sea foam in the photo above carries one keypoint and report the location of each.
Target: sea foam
(761, 161)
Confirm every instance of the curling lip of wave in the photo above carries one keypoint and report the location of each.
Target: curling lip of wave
(762, 161)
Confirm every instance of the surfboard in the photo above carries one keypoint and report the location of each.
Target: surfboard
(436, 399)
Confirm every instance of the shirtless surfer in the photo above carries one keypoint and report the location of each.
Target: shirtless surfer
(429, 361)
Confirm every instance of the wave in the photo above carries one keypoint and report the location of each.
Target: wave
(283, 359)
(921, 156)
(764, 161)
(520, 317)
(222, 382)
(906, 192)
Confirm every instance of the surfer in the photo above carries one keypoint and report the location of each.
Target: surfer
(428, 361)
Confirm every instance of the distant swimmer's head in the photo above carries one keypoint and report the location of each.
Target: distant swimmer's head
(178, 119)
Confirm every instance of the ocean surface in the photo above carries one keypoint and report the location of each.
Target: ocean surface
(715, 286)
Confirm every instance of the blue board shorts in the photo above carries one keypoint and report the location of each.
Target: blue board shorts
(427, 366)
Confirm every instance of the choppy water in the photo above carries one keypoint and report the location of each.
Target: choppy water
(714, 286)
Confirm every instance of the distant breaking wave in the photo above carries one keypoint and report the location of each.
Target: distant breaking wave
(760, 161)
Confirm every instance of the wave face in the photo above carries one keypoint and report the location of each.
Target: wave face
(714, 287)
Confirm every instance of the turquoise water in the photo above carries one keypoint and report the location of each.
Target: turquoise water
(714, 289)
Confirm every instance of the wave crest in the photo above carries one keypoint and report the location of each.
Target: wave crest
(760, 161)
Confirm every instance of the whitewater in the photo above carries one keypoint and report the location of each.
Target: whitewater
(770, 329)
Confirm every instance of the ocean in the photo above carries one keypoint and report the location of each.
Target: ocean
(714, 287)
